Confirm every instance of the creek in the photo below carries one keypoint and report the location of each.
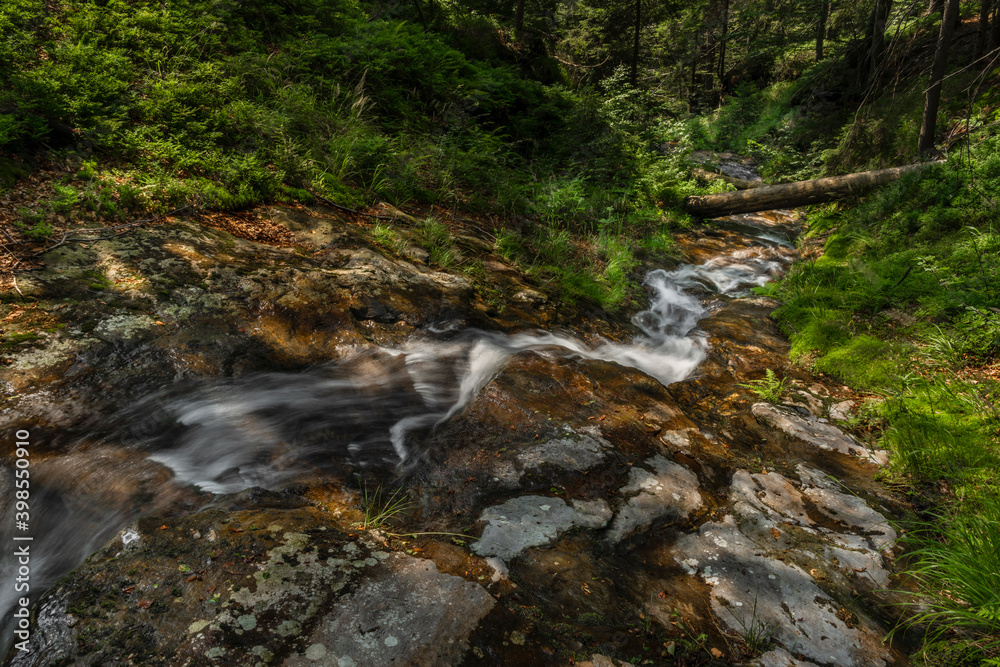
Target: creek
(504, 435)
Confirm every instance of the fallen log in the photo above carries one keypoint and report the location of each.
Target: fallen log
(790, 195)
(740, 183)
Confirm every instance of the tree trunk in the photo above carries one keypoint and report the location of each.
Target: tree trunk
(692, 95)
(876, 37)
(824, 10)
(995, 27)
(926, 142)
(420, 13)
(635, 43)
(722, 40)
(519, 20)
(983, 29)
(935, 6)
(790, 195)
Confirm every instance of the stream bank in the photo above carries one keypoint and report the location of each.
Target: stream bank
(215, 411)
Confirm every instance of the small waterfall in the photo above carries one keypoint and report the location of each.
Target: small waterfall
(267, 429)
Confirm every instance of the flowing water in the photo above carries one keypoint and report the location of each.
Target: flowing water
(373, 408)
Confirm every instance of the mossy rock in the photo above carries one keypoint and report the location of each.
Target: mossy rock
(10, 172)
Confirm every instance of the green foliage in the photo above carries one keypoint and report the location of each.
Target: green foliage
(387, 237)
(33, 225)
(769, 387)
(957, 561)
(437, 240)
(379, 506)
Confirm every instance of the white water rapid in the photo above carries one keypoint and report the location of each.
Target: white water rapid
(265, 429)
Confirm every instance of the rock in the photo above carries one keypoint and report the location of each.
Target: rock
(530, 296)
(841, 412)
(808, 402)
(251, 595)
(855, 536)
(600, 660)
(669, 492)
(531, 521)
(407, 614)
(752, 589)
(769, 494)
(811, 431)
(780, 658)
(577, 451)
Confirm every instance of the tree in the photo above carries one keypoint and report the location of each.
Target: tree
(926, 143)
(635, 43)
(824, 12)
(983, 31)
(875, 38)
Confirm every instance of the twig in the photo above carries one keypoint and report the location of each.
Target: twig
(14, 276)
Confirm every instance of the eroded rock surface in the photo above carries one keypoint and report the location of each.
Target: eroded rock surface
(815, 432)
(669, 491)
(569, 507)
(531, 521)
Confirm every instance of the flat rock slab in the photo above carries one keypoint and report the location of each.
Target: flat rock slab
(750, 589)
(669, 491)
(814, 432)
(408, 614)
(531, 521)
(853, 541)
(253, 587)
(780, 658)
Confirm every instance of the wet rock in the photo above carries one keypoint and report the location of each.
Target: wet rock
(669, 491)
(531, 521)
(275, 582)
(814, 432)
(408, 613)
(576, 451)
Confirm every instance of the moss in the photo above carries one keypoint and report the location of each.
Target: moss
(10, 172)
(13, 341)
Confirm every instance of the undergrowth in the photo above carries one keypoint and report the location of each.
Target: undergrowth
(903, 302)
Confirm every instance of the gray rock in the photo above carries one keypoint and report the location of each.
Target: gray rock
(769, 494)
(409, 615)
(575, 452)
(531, 521)
(669, 492)
(780, 658)
(841, 411)
(811, 431)
(752, 589)
(530, 296)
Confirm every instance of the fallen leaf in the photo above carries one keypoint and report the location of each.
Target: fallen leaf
(775, 533)
(716, 653)
(145, 603)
